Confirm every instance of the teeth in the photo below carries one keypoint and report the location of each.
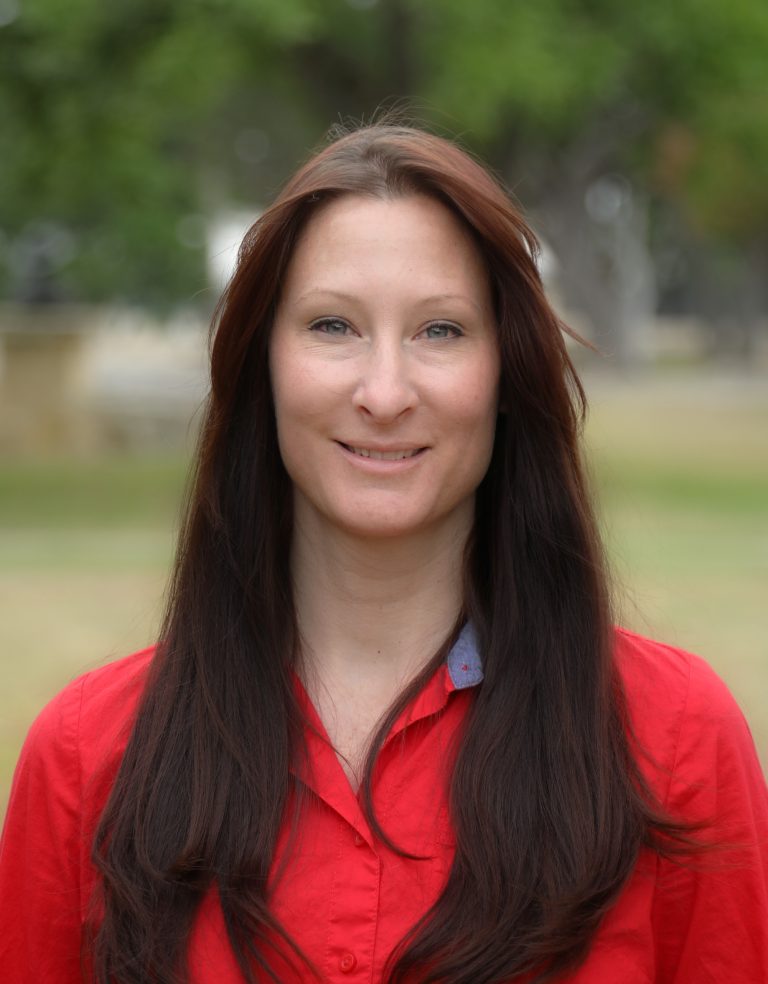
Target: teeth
(384, 455)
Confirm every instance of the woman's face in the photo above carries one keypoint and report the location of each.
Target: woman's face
(385, 368)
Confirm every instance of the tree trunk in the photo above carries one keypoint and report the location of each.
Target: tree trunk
(598, 233)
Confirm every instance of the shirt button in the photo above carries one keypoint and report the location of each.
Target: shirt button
(347, 963)
(358, 840)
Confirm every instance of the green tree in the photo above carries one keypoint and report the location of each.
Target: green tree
(123, 124)
(110, 116)
(606, 115)
(608, 119)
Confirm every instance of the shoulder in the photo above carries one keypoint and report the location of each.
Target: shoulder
(98, 699)
(85, 727)
(695, 751)
(689, 733)
(63, 777)
(667, 680)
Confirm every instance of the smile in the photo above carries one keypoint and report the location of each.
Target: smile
(397, 455)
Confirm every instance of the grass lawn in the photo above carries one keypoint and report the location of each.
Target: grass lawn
(680, 465)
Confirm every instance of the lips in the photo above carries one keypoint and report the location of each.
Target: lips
(395, 454)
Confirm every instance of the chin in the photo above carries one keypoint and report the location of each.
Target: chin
(382, 529)
(391, 526)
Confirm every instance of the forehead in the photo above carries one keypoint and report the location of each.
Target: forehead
(407, 243)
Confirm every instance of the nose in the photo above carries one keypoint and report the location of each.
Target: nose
(385, 389)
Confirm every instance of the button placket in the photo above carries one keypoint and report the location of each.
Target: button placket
(353, 922)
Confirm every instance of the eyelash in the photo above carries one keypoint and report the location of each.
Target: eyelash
(322, 324)
(456, 331)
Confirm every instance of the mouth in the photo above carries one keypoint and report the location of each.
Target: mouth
(391, 455)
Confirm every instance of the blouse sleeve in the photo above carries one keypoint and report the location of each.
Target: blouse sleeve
(40, 898)
(711, 912)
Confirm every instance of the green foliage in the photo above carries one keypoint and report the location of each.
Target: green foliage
(622, 73)
(105, 111)
(121, 120)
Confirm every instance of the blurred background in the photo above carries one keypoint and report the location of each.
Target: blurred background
(140, 138)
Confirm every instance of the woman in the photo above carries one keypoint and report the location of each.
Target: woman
(389, 733)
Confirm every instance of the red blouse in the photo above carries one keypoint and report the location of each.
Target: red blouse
(344, 896)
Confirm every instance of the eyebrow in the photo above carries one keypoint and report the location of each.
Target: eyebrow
(422, 302)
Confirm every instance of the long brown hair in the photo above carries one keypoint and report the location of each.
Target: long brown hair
(547, 803)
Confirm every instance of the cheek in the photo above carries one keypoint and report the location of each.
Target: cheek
(472, 416)
(305, 415)
(294, 390)
(475, 403)
(287, 397)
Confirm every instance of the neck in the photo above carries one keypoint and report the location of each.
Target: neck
(375, 609)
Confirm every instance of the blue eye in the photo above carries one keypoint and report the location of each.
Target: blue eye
(442, 329)
(330, 326)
